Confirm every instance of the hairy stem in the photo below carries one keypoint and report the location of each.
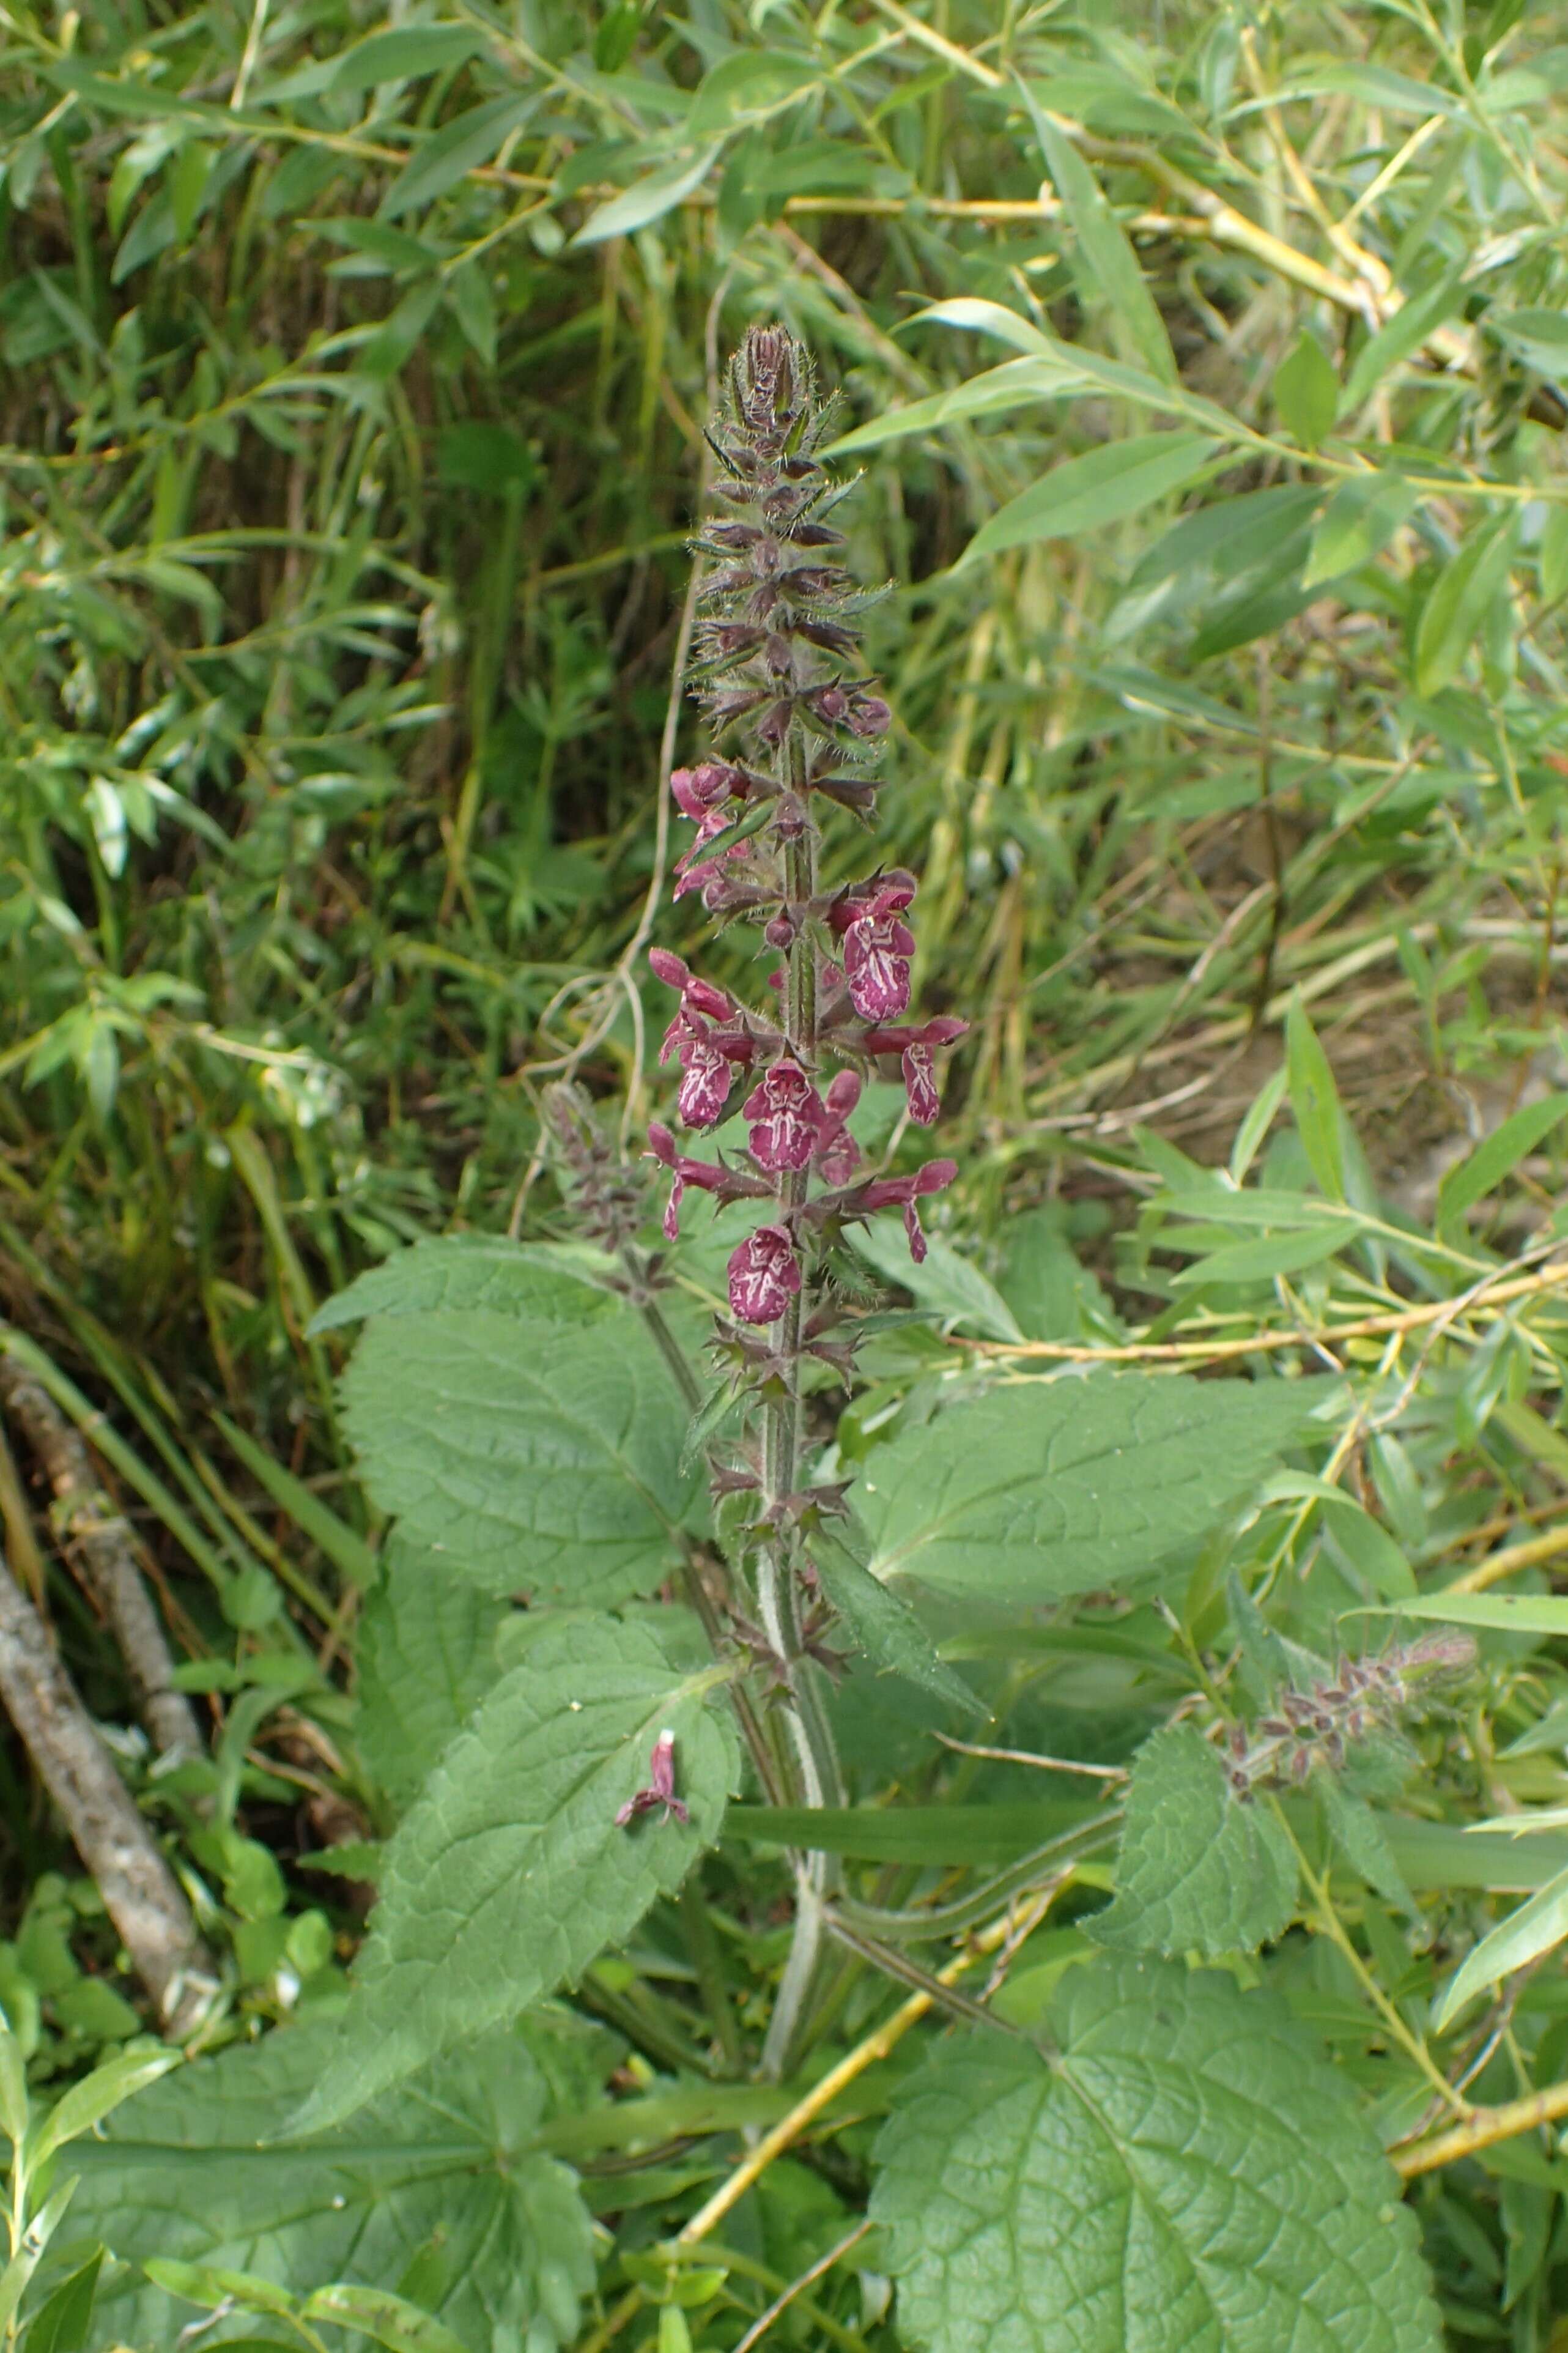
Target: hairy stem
(778, 1590)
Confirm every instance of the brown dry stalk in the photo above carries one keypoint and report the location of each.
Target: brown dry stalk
(103, 1542)
(1206, 1352)
(140, 1890)
(1481, 2129)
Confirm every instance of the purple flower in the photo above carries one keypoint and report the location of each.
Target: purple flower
(913, 1043)
(705, 1086)
(708, 1175)
(709, 1056)
(699, 794)
(837, 1153)
(877, 950)
(787, 1118)
(895, 1192)
(661, 1786)
(765, 1275)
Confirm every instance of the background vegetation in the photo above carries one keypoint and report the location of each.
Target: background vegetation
(352, 373)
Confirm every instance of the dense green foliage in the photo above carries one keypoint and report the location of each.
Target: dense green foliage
(1209, 369)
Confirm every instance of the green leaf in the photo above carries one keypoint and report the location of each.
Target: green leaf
(948, 1284)
(1403, 334)
(449, 154)
(61, 2322)
(343, 1546)
(511, 1874)
(426, 1657)
(1521, 1938)
(1359, 1834)
(1016, 384)
(1357, 523)
(1260, 1260)
(647, 200)
(213, 2286)
(407, 53)
(1540, 336)
(1199, 1870)
(1307, 391)
(499, 464)
(40, 2228)
(1106, 267)
(1495, 1157)
(1116, 377)
(1451, 619)
(87, 2104)
(538, 1282)
(1315, 1100)
(1502, 1613)
(204, 2170)
(1552, 557)
(525, 1454)
(885, 1628)
(390, 2319)
(1118, 479)
(13, 2102)
(471, 299)
(1046, 1488)
(974, 315)
(745, 83)
(1052, 1296)
(1184, 2173)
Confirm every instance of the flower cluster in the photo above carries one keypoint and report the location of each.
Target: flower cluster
(1317, 1726)
(793, 727)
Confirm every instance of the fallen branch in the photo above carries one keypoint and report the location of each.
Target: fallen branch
(103, 1542)
(139, 1890)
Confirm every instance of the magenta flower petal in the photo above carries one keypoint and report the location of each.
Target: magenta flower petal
(764, 1276)
(705, 1088)
(787, 1118)
(876, 952)
(920, 1082)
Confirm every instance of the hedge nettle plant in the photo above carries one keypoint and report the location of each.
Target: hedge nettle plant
(795, 731)
(535, 1420)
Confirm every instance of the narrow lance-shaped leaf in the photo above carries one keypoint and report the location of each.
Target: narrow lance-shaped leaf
(1482, 1170)
(1451, 619)
(1535, 1928)
(1105, 264)
(885, 1629)
(514, 1870)
(1315, 1100)
(1120, 478)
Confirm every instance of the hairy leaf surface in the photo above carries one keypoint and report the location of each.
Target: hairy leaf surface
(1184, 2175)
(1048, 1488)
(426, 1657)
(442, 2169)
(510, 1873)
(540, 1283)
(1197, 1871)
(529, 1455)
